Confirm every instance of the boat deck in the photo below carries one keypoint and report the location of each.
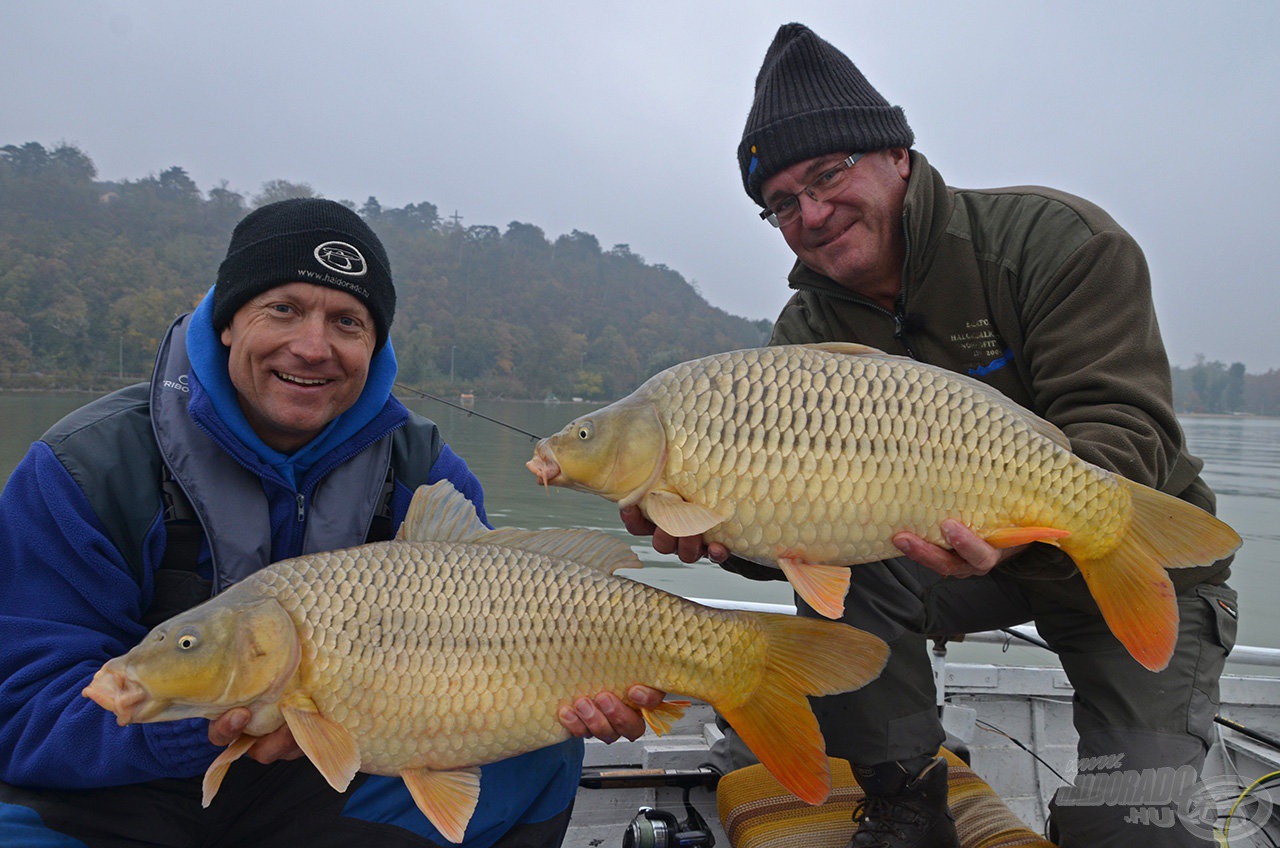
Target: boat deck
(988, 707)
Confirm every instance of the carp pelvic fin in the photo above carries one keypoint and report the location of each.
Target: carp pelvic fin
(588, 547)
(678, 516)
(447, 798)
(823, 587)
(440, 513)
(326, 743)
(218, 768)
(1011, 537)
(661, 717)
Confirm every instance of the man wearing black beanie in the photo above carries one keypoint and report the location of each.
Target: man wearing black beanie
(268, 430)
(1045, 297)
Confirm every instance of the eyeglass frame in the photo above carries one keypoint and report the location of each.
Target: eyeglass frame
(840, 167)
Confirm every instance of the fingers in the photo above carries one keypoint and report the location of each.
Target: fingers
(970, 555)
(690, 549)
(227, 727)
(607, 717)
(277, 745)
(635, 522)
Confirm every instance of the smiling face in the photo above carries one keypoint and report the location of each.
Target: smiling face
(854, 237)
(300, 356)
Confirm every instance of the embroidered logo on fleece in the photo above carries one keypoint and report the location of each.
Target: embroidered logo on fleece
(985, 351)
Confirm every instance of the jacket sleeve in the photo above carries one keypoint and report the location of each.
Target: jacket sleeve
(68, 603)
(1098, 366)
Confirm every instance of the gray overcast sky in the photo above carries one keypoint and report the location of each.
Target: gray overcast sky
(622, 119)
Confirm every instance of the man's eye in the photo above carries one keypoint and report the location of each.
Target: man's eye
(785, 206)
(827, 176)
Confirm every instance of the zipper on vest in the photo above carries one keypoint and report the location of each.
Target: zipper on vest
(302, 507)
(900, 327)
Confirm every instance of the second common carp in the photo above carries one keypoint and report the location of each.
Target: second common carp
(812, 457)
(455, 645)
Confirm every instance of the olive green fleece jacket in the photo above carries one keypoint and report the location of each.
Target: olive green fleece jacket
(1043, 296)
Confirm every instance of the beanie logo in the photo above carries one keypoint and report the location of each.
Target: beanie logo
(342, 258)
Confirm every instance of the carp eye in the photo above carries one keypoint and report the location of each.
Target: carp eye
(585, 430)
(187, 641)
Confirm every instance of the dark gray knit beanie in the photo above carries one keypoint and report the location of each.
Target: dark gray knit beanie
(305, 240)
(812, 101)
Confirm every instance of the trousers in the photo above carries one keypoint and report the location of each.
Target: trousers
(281, 805)
(1129, 719)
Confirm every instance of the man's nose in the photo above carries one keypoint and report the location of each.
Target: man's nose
(812, 211)
(311, 342)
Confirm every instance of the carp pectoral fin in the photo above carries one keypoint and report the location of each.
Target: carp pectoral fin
(823, 587)
(661, 717)
(447, 798)
(1011, 537)
(678, 516)
(218, 768)
(326, 743)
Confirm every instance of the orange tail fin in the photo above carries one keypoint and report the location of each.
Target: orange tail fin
(805, 657)
(1130, 584)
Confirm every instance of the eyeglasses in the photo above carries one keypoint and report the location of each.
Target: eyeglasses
(830, 181)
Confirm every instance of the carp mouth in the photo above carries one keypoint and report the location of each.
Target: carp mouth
(115, 692)
(544, 466)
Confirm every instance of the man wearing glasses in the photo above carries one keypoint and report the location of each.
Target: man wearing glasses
(1043, 296)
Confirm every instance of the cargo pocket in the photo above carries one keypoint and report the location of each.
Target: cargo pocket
(1220, 613)
(1226, 613)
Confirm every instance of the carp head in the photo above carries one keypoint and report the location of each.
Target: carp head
(618, 452)
(201, 663)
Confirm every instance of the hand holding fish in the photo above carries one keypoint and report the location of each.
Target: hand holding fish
(689, 548)
(970, 555)
(277, 745)
(608, 718)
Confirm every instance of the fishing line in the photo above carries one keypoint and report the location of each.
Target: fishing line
(430, 396)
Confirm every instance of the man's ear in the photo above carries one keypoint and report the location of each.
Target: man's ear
(901, 159)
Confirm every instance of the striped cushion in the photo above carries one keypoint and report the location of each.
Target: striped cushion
(758, 813)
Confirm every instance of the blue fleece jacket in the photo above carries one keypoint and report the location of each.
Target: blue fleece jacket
(69, 602)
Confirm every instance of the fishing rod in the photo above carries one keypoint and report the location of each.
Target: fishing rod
(1256, 735)
(430, 396)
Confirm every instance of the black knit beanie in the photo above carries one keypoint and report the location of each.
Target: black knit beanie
(812, 101)
(305, 240)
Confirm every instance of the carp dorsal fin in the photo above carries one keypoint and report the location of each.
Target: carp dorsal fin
(440, 513)
(848, 348)
(1048, 429)
(588, 547)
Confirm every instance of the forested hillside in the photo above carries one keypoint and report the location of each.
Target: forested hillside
(92, 272)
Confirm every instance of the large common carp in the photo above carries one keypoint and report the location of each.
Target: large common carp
(454, 645)
(812, 456)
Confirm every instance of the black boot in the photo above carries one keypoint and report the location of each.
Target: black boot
(905, 807)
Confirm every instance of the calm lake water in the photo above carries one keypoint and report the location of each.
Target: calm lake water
(1242, 463)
